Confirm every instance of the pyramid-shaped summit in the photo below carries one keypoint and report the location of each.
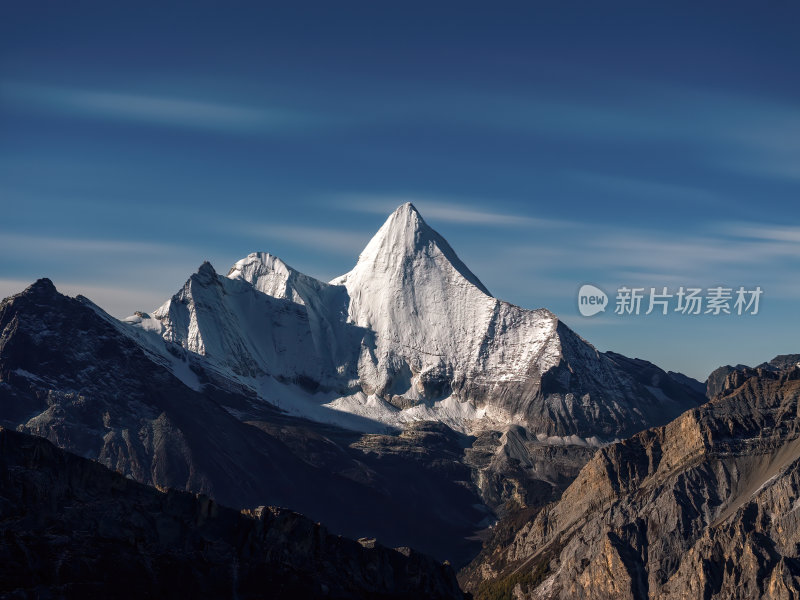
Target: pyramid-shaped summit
(406, 241)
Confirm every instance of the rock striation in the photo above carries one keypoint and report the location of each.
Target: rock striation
(704, 507)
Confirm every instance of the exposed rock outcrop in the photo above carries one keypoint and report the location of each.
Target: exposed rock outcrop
(705, 507)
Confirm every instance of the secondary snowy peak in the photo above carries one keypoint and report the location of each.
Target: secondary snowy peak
(404, 241)
(335, 341)
(248, 333)
(270, 275)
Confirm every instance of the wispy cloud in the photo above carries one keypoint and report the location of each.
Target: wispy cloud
(647, 190)
(41, 244)
(737, 131)
(779, 233)
(443, 210)
(338, 241)
(119, 275)
(157, 109)
(766, 141)
(547, 269)
(632, 256)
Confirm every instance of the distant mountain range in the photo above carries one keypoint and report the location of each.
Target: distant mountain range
(399, 401)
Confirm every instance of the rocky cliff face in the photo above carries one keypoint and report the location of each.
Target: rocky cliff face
(70, 528)
(705, 507)
(718, 382)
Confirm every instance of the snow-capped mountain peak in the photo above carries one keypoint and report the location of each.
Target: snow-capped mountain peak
(435, 323)
(410, 333)
(406, 241)
(270, 275)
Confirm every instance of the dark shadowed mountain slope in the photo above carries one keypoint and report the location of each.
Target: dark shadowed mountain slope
(69, 375)
(705, 507)
(71, 528)
(690, 382)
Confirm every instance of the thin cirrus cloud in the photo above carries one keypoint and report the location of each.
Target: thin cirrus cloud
(756, 231)
(767, 143)
(634, 111)
(741, 132)
(654, 191)
(443, 211)
(26, 244)
(119, 275)
(337, 241)
(156, 110)
(755, 254)
(707, 256)
(96, 260)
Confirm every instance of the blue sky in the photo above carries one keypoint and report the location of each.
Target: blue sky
(553, 144)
